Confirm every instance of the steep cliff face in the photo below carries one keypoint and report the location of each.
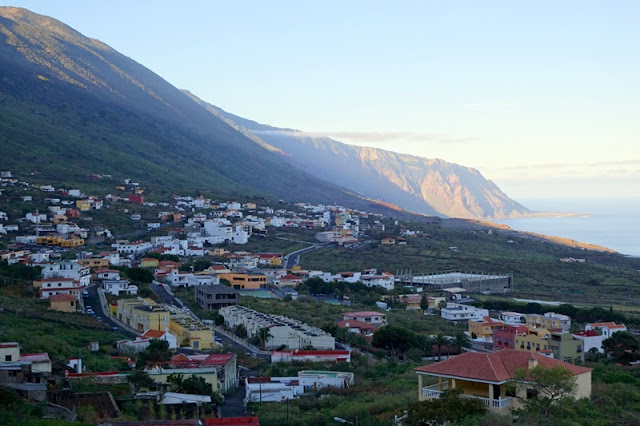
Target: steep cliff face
(429, 186)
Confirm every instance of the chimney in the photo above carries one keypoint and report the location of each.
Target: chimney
(532, 363)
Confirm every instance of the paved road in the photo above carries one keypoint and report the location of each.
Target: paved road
(161, 290)
(93, 301)
(293, 258)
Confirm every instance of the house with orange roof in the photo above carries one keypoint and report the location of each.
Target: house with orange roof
(149, 262)
(288, 280)
(484, 328)
(486, 377)
(358, 327)
(64, 303)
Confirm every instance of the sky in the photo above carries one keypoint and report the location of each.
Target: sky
(542, 97)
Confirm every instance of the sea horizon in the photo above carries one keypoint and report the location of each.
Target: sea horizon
(608, 222)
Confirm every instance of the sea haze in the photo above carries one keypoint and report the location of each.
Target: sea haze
(613, 223)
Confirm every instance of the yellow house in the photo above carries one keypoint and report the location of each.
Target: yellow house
(190, 332)
(94, 262)
(218, 252)
(244, 281)
(537, 339)
(275, 261)
(143, 314)
(149, 262)
(487, 377)
(63, 303)
(388, 242)
(83, 205)
(73, 242)
(484, 329)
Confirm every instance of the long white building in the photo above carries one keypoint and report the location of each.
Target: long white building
(284, 331)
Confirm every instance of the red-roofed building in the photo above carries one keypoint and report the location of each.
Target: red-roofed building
(358, 327)
(289, 280)
(485, 376)
(224, 363)
(595, 333)
(369, 317)
(40, 362)
(64, 303)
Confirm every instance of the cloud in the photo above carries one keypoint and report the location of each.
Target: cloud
(377, 137)
(620, 163)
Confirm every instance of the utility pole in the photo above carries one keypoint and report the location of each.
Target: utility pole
(287, 411)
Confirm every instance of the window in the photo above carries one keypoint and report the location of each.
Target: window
(532, 393)
(7, 358)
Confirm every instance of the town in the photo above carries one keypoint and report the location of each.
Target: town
(200, 308)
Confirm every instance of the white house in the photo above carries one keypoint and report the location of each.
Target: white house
(179, 278)
(143, 340)
(595, 333)
(197, 280)
(35, 217)
(135, 248)
(384, 280)
(3, 216)
(67, 269)
(459, 312)
(119, 287)
(107, 274)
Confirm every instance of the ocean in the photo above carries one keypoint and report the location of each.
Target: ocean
(612, 223)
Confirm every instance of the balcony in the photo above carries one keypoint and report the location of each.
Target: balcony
(434, 392)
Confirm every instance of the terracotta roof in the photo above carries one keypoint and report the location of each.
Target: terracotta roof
(290, 277)
(153, 334)
(352, 323)
(609, 325)
(496, 367)
(39, 357)
(62, 297)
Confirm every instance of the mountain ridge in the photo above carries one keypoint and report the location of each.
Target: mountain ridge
(71, 106)
(429, 186)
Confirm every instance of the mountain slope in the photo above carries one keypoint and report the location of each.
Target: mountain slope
(429, 186)
(71, 106)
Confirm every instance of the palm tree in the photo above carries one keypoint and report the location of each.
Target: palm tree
(461, 341)
(264, 334)
(439, 340)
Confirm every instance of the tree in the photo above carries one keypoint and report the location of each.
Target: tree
(424, 302)
(543, 386)
(396, 340)
(264, 334)
(140, 379)
(442, 304)
(461, 341)
(623, 346)
(438, 341)
(139, 275)
(156, 353)
(240, 330)
(450, 408)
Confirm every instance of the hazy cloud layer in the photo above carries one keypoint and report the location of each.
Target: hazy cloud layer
(568, 165)
(376, 137)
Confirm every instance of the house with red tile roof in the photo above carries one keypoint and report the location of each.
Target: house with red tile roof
(368, 317)
(225, 365)
(596, 332)
(486, 376)
(358, 327)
